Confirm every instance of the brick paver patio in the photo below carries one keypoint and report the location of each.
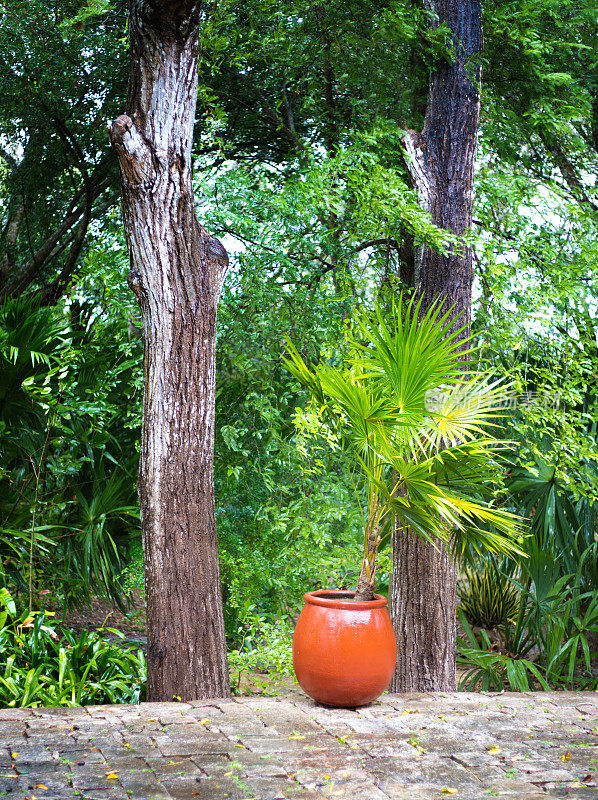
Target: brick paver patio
(416, 747)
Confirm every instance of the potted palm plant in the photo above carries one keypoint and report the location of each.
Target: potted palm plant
(415, 419)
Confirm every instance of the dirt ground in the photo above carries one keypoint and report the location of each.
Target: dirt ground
(101, 614)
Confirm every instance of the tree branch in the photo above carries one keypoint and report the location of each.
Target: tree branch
(376, 243)
(29, 271)
(135, 155)
(567, 170)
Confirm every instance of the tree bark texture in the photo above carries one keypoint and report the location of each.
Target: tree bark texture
(177, 270)
(441, 162)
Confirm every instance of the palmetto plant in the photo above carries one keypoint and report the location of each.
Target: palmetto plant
(102, 519)
(67, 498)
(562, 525)
(415, 419)
(29, 337)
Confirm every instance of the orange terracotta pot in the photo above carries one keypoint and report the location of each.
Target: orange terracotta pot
(344, 653)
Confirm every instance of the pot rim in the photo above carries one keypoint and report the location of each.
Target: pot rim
(338, 601)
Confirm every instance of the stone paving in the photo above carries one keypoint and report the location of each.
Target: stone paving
(403, 747)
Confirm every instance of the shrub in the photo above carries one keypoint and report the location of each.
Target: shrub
(488, 598)
(547, 644)
(41, 665)
(266, 646)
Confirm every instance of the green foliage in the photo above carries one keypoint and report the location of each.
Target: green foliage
(493, 672)
(563, 526)
(41, 665)
(282, 528)
(68, 503)
(63, 67)
(270, 61)
(415, 421)
(94, 8)
(305, 544)
(99, 546)
(265, 647)
(487, 597)
(540, 78)
(132, 578)
(547, 640)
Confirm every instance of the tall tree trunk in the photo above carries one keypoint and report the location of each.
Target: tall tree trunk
(177, 270)
(441, 162)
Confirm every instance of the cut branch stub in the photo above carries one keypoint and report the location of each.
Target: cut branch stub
(135, 155)
(217, 255)
(134, 281)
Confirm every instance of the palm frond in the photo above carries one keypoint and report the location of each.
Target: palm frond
(418, 422)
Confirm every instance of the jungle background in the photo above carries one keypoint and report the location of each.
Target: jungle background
(301, 173)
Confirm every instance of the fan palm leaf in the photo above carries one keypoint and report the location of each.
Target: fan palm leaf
(418, 424)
